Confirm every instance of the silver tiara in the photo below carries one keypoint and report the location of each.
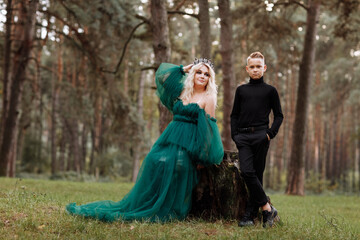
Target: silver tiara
(204, 60)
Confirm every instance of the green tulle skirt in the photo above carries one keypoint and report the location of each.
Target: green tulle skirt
(161, 193)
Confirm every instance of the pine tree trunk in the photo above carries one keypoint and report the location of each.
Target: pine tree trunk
(324, 151)
(291, 116)
(54, 102)
(332, 148)
(329, 144)
(310, 142)
(61, 165)
(337, 161)
(21, 141)
(13, 154)
(279, 150)
(38, 101)
(358, 155)
(74, 154)
(70, 154)
(318, 128)
(92, 153)
(25, 36)
(161, 46)
(75, 143)
(356, 166)
(226, 51)
(138, 146)
(296, 176)
(84, 134)
(205, 35)
(7, 76)
(96, 132)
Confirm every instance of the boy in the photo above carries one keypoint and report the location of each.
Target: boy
(251, 133)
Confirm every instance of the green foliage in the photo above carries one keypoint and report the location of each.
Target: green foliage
(36, 209)
(347, 26)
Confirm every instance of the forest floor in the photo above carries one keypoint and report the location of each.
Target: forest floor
(35, 209)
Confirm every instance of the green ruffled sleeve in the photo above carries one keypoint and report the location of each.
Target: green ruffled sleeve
(169, 80)
(211, 150)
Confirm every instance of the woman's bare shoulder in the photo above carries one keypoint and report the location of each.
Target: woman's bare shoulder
(210, 99)
(210, 105)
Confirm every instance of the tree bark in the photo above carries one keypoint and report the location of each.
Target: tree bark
(61, 165)
(13, 154)
(126, 72)
(7, 77)
(55, 96)
(161, 46)
(333, 150)
(91, 169)
(25, 31)
(205, 33)
(73, 129)
(84, 134)
(138, 146)
(317, 131)
(358, 151)
(74, 133)
(280, 142)
(325, 151)
(295, 179)
(226, 51)
(221, 191)
(96, 132)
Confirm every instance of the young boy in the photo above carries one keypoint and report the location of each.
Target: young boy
(251, 133)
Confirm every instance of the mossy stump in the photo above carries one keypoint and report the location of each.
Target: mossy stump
(221, 191)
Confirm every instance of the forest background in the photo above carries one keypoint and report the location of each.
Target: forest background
(78, 94)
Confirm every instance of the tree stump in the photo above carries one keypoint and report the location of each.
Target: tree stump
(221, 191)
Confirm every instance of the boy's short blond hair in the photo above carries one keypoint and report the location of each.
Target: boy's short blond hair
(255, 55)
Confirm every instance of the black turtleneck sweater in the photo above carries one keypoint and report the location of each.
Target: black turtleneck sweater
(252, 105)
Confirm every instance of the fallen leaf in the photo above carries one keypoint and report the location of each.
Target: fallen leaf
(41, 226)
(210, 232)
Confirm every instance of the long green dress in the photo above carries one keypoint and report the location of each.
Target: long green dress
(164, 185)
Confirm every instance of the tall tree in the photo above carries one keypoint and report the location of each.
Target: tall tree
(161, 46)
(24, 36)
(296, 171)
(7, 60)
(139, 127)
(226, 51)
(205, 35)
(54, 102)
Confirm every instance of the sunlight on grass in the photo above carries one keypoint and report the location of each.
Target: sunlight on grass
(34, 209)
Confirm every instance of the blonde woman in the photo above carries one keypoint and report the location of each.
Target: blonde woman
(164, 185)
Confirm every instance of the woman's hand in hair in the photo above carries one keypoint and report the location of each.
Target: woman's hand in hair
(188, 67)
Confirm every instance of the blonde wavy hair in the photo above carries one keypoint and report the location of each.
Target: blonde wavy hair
(211, 87)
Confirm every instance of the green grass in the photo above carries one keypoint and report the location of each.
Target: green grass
(34, 209)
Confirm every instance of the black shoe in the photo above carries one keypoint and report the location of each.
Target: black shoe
(246, 222)
(269, 217)
(251, 212)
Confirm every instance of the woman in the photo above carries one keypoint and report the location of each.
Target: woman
(163, 188)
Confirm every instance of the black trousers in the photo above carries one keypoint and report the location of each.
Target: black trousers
(253, 147)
